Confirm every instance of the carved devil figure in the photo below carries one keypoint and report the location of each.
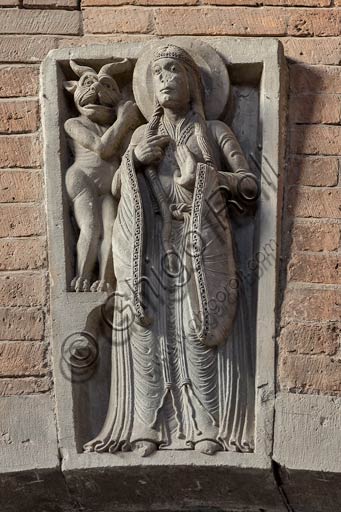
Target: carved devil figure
(98, 138)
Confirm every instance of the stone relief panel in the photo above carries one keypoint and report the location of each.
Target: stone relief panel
(173, 253)
(161, 195)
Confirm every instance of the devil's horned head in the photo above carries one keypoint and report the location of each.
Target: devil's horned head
(97, 94)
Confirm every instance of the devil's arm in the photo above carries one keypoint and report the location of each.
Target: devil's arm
(106, 146)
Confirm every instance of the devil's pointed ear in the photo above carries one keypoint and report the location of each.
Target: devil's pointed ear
(70, 86)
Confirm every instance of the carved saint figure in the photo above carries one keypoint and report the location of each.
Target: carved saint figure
(172, 386)
(98, 137)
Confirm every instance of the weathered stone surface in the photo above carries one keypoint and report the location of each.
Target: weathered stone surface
(26, 48)
(24, 21)
(200, 488)
(22, 289)
(310, 339)
(313, 50)
(29, 438)
(21, 324)
(21, 220)
(20, 151)
(22, 359)
(24, 386)
(308, 436)
(19, 116)
(315, 490)
(313, 108)
(18, 81)
(315, 203)
(315, 236)
(127, 19)
(311, 304)
(315, 268)
(41, 491)
(314, 79)
(20, 186)
(313, 171)
(22, 253)
(316, 139)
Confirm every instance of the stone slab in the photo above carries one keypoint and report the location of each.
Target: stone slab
(245, 58)
(35, 491)
(173, 489)
(28, 437)
(312, 491)
(308, 432)
(227, 482)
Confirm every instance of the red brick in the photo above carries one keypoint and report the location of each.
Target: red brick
(310, 374)
(21, 324)
(113, 3)
(24, 21)
(294, 3)
(310, 339)
(112, 20)
(315, 268)
(24, 386)
(51, 4)
(9, 3)
(313, 50)
(314, 171)
(18, 81)
(221, 21)
(19, 116)
(315, 108)
(20, 186)
(22, 358)
(22, 253)
(314, 22)
(25, 48)
(311, 304)
(104, 39)
(315, 79)
(21, 220)
(315, 236)
(22, 289)
(20, 151)
(315, 203)
(316, 139)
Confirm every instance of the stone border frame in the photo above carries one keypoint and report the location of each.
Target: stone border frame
(65, 305)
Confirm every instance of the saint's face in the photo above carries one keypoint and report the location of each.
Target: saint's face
(170, 82)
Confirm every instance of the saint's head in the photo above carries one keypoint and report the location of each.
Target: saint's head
(176, 79)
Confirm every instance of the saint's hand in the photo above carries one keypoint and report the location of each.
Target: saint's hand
(187, 164)
(151, 150)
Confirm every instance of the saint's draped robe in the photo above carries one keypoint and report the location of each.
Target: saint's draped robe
(182, 366)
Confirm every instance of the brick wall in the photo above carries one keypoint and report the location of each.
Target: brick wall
(309, 346)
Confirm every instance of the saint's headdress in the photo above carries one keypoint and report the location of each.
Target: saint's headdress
(171, 51)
